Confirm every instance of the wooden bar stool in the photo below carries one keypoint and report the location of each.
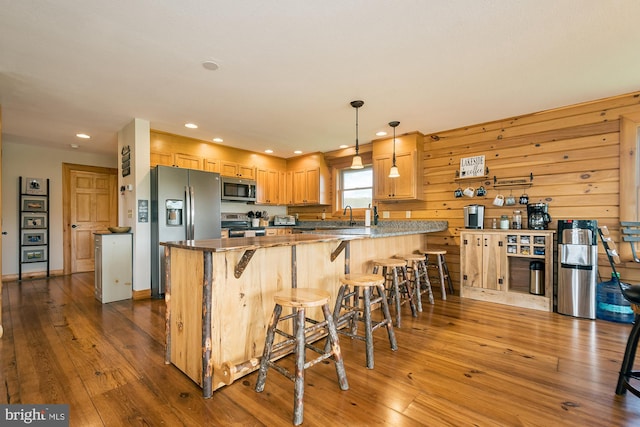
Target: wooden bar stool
(392, 270)
(440, 263)
(299, 299)
(349, 311)
(418, 277)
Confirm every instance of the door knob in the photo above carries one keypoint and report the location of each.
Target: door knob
(74, 226)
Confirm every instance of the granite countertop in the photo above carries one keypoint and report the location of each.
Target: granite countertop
(330, 232)
(248, 243)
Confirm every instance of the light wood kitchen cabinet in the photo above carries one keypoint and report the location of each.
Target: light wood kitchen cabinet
(237, 170)
(277, 231)
(187, 161)
(309, 178)
(306, 187)
(179, 160)
(282, 188)
(482, 260)
(495, 266)
(409, 151)
(401, 188)
(267, 187)
(212, 165)
(162, 159)
(288, 188)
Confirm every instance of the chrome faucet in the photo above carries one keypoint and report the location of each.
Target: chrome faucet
(351, 221)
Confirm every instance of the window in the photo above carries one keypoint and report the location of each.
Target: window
(356, 187)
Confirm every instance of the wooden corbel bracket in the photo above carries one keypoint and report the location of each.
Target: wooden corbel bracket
(244, 261)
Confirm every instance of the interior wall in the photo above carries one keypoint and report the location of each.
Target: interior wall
(572, 152)
(20, 159)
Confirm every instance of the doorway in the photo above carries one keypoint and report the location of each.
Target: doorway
(89, 205)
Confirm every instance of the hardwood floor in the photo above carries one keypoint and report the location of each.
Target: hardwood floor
(461, 362)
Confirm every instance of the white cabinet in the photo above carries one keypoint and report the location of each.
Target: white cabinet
(114, 267)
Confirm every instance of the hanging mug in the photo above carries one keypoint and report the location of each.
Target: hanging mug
(510, 200)
(469, 191)
(524, 199)
(458, 193)
(481, 191)
(499, 200)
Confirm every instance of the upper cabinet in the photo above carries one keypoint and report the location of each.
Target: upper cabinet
(268, 187)
(309, 180)
(237, 170)
(409, 153)
(178, 160)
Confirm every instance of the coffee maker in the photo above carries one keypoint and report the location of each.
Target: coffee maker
(474, 216)
(538, 216)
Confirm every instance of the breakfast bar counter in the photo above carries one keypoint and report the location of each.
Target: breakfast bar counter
(219, 292)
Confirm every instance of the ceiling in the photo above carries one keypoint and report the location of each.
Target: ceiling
(288, 69)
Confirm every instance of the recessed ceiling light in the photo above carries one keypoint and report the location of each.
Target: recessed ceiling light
(210, 65)
(297, 152)
(218, 140)
(344, 146)
(381, 133)
(191, 125)
(268, 151)
(74, 145)
(83, 135)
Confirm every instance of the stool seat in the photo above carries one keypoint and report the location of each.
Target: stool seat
(354, 305)
(298, 299)
(362, 279)
(394, 270)
(441, 264)
(419, 277)
(389, 262)
(302, 297)
(411, 257)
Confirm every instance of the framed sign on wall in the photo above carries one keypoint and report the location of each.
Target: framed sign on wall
(471, 167)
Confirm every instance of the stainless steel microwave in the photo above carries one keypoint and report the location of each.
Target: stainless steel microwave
(238, 189)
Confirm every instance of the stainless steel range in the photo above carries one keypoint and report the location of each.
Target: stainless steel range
(239, 225)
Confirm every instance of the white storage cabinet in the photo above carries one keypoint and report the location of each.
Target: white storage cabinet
(114, 267)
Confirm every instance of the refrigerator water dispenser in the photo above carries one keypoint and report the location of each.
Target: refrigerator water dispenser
(174, 212)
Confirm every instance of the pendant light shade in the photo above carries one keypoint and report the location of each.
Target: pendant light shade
(394, 173)
(357, 160)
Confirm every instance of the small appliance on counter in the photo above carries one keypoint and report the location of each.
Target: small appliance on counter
(474, 216)
(284, 220)
(538, 216)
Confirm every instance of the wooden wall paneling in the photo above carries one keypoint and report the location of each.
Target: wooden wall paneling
(630, 100)
(573, 153)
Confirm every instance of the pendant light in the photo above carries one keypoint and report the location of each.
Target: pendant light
(393, 173)
(357, 160)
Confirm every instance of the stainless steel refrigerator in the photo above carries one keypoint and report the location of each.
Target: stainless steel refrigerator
(185, 205)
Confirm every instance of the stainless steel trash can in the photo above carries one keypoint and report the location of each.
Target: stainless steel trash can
(536, 277)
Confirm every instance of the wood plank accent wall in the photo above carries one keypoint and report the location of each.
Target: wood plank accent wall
(572, 152)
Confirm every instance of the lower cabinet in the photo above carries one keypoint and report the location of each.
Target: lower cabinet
(500, 265)
(277, 231)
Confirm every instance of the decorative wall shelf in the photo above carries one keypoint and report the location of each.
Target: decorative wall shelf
(472, 178)
(513, 182)
(33, 222)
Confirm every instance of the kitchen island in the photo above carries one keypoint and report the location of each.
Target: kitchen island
(219, 292)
